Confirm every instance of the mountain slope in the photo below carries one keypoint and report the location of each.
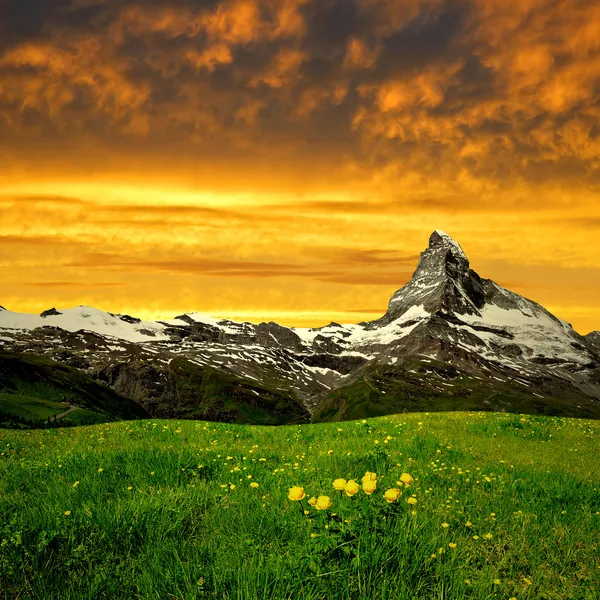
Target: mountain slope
(510, 347)
(33, 388)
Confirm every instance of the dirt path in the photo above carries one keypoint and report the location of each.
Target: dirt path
(64, 414)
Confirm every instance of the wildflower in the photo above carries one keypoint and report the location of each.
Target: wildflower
(433, 555)
(67, 512)
(392, 495)
(497, 582)
(526, 581)
(406, 479)
(468, 524)
(296, 493)
(452, 545)
(232, 486)
(351, 488)
(412, 501)
(313, 535)
(329, 451)
(100, 470)
(488, 536)
(312, 501)
(475, 537)
(445, 525)
(339, 484)
(130, 488)
(369, 487)
(368, 476)
(76, 484)
(323, 503)
(253, 484)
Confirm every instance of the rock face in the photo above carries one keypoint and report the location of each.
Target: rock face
(443, 281)
(593, 338)
(449, 339)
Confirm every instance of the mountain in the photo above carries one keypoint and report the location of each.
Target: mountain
(593, 338)
(34, 388)
(448, 340)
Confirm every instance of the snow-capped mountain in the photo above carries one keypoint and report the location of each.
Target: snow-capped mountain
(447, 333)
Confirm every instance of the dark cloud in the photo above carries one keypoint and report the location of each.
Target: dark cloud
(40, 240)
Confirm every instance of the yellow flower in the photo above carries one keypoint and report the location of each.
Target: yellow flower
(296, 493)
(452, 545)
(67, 512)
(130, 488)
(351, 488)
(405, 478)
(497, 582)
(339, 484)
(323, 503)
(368, 476)
(445, 525)
(369, 487)
(254, 484)
(412, 501)
(329, 451)
(76, 484)
(475, 537)
(392, 495)
(488, 536)
(312, 501)
(232, 486)
(468, 524)
(100, 470)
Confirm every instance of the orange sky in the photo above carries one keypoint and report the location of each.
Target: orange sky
(288, 159)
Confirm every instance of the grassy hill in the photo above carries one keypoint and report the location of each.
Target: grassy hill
(507, 506)
(382, 390)
(33, 388)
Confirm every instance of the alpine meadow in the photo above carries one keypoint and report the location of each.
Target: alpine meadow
(486, 505)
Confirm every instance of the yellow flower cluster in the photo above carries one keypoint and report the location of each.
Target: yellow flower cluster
(351, 487)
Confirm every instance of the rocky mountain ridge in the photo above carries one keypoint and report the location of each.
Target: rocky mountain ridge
(502, 350)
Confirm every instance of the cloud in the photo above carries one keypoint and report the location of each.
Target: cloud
(372, 123)
(83, 285)
(359, 55)
(39, 240)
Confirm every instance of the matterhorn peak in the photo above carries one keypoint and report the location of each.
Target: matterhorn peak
(440, 239)
(442, 281)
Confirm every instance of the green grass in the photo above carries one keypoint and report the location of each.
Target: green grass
(153, 514)
(33, 388)
(17, 408)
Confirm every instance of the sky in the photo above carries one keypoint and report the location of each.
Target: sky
(287, 160)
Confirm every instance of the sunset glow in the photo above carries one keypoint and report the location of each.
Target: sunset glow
(287, 159)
